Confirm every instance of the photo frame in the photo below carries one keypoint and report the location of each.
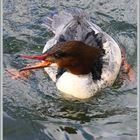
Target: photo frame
(33, 108)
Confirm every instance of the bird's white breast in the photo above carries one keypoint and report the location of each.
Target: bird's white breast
(79, 86)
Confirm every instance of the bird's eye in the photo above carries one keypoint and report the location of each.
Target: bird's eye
(58, 54)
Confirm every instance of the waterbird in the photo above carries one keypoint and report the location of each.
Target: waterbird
(81, 58)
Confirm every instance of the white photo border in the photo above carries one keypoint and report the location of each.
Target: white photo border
(1, 68)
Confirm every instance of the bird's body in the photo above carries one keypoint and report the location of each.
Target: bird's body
(75, 25)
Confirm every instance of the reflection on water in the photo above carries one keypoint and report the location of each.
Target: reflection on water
(34, 109)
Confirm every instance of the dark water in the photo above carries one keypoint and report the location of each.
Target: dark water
(33, 108)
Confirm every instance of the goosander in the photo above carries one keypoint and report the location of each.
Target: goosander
(81, 58)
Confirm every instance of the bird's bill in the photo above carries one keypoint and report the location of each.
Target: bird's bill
(38, 65)
(43, 58)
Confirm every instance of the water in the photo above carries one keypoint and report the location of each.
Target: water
(34, 109)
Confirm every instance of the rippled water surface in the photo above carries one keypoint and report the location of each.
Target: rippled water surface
(34, 109)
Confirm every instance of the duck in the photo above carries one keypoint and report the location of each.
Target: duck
(80, 58)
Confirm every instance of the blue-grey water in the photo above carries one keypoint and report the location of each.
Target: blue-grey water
(33, 108)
